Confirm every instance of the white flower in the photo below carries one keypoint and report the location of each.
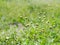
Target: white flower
(7, 37)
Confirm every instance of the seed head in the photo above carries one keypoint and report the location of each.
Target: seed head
(27, 25)
(25, 17)
(20, 16)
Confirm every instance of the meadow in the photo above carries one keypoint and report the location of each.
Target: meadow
(29, 22)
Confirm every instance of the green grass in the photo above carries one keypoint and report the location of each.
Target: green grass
(40, 20)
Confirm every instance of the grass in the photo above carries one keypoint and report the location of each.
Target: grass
(40, 21)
